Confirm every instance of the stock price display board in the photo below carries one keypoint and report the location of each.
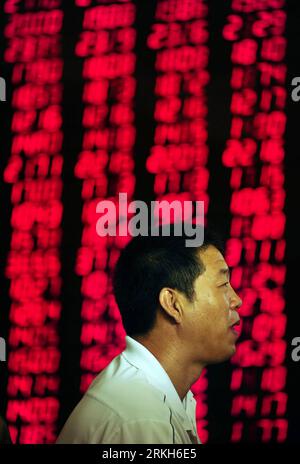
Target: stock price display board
(167, 100)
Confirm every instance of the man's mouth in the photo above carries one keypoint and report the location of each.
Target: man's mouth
(235, 329)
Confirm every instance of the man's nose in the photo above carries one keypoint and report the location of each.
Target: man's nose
(236, 301)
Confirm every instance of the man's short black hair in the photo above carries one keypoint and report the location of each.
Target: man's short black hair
(146, 265)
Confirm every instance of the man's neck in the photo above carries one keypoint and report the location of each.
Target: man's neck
(182, 373)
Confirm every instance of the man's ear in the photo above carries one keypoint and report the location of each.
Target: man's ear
(170, 301)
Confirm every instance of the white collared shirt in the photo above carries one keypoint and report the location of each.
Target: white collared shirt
(132, 401)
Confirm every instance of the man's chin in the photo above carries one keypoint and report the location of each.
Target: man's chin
(224, 357)
(230, 352)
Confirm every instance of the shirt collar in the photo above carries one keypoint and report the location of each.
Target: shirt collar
(138, 355)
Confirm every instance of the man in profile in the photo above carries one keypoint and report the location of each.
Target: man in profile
(179, 311)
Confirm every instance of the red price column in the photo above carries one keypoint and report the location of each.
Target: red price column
(256, 249)
(105, 165)
(33, 265)
(179, 154)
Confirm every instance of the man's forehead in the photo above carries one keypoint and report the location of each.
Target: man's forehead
(220, 263)
(213, 260)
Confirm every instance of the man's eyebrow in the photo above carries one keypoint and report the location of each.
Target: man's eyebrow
(224, 271)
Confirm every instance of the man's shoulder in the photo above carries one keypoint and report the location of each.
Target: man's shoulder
(126, 415)
(130, 398)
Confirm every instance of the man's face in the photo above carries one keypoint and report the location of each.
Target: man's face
(209, 317)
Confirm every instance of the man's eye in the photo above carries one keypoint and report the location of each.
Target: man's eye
(225, 285)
